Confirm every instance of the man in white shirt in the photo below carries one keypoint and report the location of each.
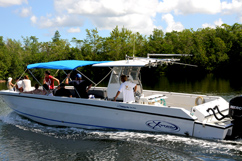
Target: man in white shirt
(127, 88)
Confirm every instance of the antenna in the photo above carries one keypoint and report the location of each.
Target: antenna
(148, 55)
(134, 46)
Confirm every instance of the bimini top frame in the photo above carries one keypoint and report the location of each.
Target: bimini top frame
(63, 65)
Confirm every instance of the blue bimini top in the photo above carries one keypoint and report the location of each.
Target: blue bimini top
(64, 64)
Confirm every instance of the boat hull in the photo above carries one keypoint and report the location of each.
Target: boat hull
(96, 114)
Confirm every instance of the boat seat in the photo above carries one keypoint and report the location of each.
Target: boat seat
(98, 93)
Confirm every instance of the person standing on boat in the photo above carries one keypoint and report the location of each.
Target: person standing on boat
(49, 80)
(82, 86)
(10, 85)
(127, 88)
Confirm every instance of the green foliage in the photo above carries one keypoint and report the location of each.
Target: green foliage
(56, 37)
(214, 50)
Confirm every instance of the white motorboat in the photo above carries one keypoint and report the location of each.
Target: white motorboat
(193, 115)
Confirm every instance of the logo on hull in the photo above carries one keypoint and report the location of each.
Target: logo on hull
(162, 126)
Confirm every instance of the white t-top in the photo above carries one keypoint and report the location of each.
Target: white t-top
(127, 89)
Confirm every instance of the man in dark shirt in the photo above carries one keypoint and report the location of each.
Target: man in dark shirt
(82, 86)
(62, 91)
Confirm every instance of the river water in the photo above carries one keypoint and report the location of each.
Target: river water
(22, 139)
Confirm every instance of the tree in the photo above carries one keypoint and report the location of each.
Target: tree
(213, 50)
(56, 37)
(156, 42)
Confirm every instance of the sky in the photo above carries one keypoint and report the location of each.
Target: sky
(41, 18)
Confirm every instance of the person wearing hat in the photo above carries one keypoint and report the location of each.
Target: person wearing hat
(82, 86)
(62, 91)
(10, 85)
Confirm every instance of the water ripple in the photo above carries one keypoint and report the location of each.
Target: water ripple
(56, 143)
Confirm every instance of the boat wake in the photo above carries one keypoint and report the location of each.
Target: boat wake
(198, 148)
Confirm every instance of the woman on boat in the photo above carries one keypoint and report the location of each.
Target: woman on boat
(49, 80)
(26, 84)
(127, 88)
(10, 85)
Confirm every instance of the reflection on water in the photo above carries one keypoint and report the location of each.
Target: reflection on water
(208, 85)
(22, 139)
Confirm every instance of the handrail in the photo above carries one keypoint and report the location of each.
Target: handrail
(216, 108)
(223, 116)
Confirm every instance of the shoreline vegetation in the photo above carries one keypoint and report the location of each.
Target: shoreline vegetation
(216, 51)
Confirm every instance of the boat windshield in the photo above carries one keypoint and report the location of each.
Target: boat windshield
(131, 72)
(134, 73)
(115, 75)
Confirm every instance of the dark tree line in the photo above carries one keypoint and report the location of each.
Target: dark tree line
(214, 50)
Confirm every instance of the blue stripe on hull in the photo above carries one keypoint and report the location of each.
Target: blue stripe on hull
(73, 123)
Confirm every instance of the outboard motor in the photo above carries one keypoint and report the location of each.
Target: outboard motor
(235, 111)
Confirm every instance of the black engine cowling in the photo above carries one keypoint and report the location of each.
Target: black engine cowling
(235, 111)
(235, 108)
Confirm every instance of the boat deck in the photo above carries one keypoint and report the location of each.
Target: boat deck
(180, 100)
